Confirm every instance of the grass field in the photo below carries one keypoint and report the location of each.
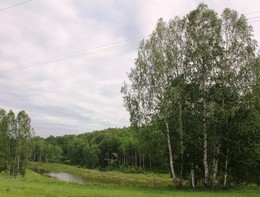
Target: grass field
(34, 184)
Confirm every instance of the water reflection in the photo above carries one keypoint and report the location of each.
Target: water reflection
(65, 177)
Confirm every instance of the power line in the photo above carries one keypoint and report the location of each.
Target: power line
(15, 5)
(253, 18)
(254, 21)
(90, 51)
(58, 59)
(252, 12)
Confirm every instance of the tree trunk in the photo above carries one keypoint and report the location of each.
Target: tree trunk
(170, 151)
(205, 148)
(181, 140)
(140, 160)
(127, 158)
(226, 170)
(143, 162)
(18, 158)
(9, 159)
(192, 172)
(136, 159)
(215, 166)
(40, 156)
(150, 159)
(119, 160)
(132, 156)
(18, 165)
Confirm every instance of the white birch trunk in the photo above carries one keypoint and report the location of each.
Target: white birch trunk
(215, 166)
(18, 164)
(192, 172)
(226, 169)
(181, 140)
(205, 149)
(170, 151)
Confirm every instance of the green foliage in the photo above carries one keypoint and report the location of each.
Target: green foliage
(200, 76)
(124, 149)
(42, 151)
(14, 135)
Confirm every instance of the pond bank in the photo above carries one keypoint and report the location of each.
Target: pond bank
(97, 176)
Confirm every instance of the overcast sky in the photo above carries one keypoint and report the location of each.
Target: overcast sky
(87, 48)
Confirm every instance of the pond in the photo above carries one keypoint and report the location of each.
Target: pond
(65, 177)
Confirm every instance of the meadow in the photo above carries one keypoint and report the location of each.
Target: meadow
(35, 184)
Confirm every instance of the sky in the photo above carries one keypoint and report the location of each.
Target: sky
(64, 61)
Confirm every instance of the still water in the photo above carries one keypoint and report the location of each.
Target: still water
(65, 177)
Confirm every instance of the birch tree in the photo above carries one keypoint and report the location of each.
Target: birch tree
(237, 73)
(200, 68)
(23, 133)
(3, 139)
(202, 58)
(147, 96)
(14, 135)
(11, 144)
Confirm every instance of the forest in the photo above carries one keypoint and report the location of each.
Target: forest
(194, 103)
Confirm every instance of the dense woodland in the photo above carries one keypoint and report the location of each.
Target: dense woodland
(194, 104)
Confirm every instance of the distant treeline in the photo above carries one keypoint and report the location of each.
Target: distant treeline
(123, 148)
(145, 149)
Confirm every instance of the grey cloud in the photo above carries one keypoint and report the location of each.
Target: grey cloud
(78, 94)
(122, 15)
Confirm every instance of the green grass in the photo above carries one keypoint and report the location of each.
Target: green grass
(116, 177)
(34, 184)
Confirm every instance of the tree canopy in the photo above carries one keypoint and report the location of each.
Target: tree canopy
(197, 74)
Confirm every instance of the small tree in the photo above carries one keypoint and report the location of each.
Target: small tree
(15, 133)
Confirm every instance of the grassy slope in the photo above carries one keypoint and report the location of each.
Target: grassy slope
(34, 184)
